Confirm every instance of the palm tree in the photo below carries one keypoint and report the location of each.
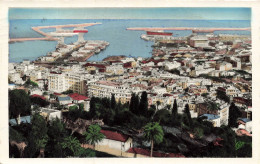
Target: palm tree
(72, 144)
(93, 135)
(153, 132)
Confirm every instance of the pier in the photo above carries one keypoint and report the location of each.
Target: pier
(46, 35)
(193, 29)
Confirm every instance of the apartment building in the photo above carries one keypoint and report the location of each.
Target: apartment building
(59, 82)
(107, 88)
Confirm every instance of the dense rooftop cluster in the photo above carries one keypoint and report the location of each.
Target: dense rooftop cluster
(207, 72)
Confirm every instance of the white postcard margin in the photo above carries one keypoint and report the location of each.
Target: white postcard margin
(5, 4)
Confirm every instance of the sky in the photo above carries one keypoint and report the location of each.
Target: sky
(132, 13)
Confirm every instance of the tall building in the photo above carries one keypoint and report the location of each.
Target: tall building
(59, 82)
(107, 88)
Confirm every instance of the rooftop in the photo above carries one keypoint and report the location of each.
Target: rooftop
(210, 116)
(64, 98)
(114, 135)
(41, 97)
(25, 119)
(109, 83)
(76, 96)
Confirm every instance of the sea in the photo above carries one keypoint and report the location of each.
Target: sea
(122, 41)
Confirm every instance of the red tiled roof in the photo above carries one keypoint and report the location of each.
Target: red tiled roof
(57, 94)
(35, 95)
(167, 94)
(95, 65)
(155, 154)
(114, 135)
(127, 65)
(52, 72)
(116, 61)
(76, 96)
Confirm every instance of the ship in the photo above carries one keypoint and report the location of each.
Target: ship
(159, 33)
(80, 30)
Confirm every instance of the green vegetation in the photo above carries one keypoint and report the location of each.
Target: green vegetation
(243, 146)
(187, 117)
(143, 105)
(163, 116)
(174, 110)
(93, 135)
(39, 101)
(71, 147)
(52, 138)
(212, 105)
(234, 113)
(204, 94)
(222, 95)
(134, 103)
(153, 133)
(217, 79)
(242, 72)
(175, 71)
(67, 92)
(56, 140)
(19, 104)
(77, 111)
(30, 83)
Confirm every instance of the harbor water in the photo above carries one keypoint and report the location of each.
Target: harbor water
(122, 42)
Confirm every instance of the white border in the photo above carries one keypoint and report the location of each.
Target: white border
(5, 4)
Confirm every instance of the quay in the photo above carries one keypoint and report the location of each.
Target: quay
(48, 37)
(194, 29)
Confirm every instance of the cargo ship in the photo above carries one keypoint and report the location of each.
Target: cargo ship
(80, 31)
(159, 33)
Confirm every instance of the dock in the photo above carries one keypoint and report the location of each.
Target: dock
(48, 37)
(193, 29)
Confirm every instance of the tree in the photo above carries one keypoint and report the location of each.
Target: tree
(39, 101)
(19, 103)
(136, 105)
(143, 105)
(30, 83)
(56, 133)
(132, 103)
(93, 135)
(163, 116)
(92, 105)
(223, 96)
(17, 143)
(81, 107)
(56, 130)
(72, 147)
(113, 102)
(234, 113)
(153, 132)
(174, 110)
(188, 115)
(67, 92)
(38, 137)
(158, 103)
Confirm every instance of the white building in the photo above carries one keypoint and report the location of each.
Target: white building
(51, 114)
(215, 119)
(107, 88)
(173, 65)
(115, 141)
(60, 82)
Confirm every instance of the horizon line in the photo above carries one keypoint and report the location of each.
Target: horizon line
(128, 19)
